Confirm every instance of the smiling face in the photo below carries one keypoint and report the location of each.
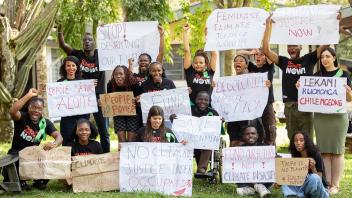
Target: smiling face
(88, 42)
(143, 62)
(199, 63)
(327, 59)
(250, 135)
(299, 142)
(83, 132)
(156, 121)
(240, 65)
(70, 68)
(202, 101)
(294, 51)
(119, 76)
(156, 70)
(35, 111)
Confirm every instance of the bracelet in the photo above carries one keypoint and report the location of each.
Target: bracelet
(54, 143)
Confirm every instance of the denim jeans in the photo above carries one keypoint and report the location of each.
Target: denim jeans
(312, 187)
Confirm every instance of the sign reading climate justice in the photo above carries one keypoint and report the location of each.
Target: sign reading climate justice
(322, 94)
(120, 41)
(235, 28)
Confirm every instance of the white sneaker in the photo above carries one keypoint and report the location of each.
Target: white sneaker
(262, 190)
(245, 191)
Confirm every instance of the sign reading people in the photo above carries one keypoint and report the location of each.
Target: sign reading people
(291, 171)
(241, 97)
(156, 167)
(94, 173)
(322, 94)
(201, 133)
(306, 25)
(248, 164)
(71, 98)
(235, 28)
(120, 41)
(118, 103)
(173, 101)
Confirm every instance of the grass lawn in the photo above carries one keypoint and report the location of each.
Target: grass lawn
(201, 188)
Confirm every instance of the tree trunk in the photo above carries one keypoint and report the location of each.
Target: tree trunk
(229, 55)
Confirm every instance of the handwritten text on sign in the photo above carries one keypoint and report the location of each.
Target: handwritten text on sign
(248, 164)
(71, 98)
(120, 41)
(173, 101)
(306, 25)
(235, 28)
(156, 167)
(201, 133)
(291, 171)
(322, 94)
(241, 97)
(117, 103)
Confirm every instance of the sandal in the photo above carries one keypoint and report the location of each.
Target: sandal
(333, 190)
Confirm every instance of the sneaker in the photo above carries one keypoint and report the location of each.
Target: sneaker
(24, 185)
(245, 191)
(262, 190)
(40, 184)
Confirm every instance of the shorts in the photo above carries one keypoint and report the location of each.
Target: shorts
(126, 123)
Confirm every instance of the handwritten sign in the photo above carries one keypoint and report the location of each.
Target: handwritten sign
(118, 104)
(248, 164)
(306, 25)
(291, 171)
(173, 101)
(322, 94)
(235, 28)
(94, 173)
(201, 133)
(156, 167)
(36, 163)
(241, 97)
(120, 41)
(71, 98)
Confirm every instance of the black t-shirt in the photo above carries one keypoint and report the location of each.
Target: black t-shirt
(90, 68)
(169, 135)
(196, 112)
(25, 132)
(198, 82)
(66, 79)
(150, 86)
(333, 73)
(135, 88)
(319, 165)
(93, 147)
(140, 77)
(265, 68)
(292, 70)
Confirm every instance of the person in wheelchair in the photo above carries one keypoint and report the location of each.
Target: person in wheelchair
(250, 138)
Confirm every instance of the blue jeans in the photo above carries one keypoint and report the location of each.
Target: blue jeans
(312, 187)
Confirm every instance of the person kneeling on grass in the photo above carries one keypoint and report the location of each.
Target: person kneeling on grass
(314, 186)
(250, 138)
(30, 128)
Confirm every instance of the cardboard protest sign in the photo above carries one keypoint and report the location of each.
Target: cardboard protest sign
(94, 173)
(70, 98)
(201, 133)
(36, 163)
(173, 101)
(156, 167)
(241, 97)
(235, 28)
(248, 164)
(291, 171)
(120, 41)
(322, 94)
(118, 104)
(306, 25)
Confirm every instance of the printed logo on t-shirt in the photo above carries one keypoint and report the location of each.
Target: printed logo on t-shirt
(28, 134)
(198, 79)
(83, 153)
(156, 139)
(295, 69)
(88, 67)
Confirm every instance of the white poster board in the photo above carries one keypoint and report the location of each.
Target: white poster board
(306, 25)
(201, 133)
(156, 167)
(235, 28)
(173, 101)
(70, 98)
(241, 97)
(118, 42)
(322, 94)
(248, 164)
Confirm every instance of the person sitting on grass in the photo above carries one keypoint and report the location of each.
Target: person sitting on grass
(314, 186)
(250, 138)
(30, 128)
(83, 139)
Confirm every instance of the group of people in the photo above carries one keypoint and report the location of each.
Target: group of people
(325, 169)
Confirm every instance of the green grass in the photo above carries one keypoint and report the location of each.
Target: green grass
(201, 188)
